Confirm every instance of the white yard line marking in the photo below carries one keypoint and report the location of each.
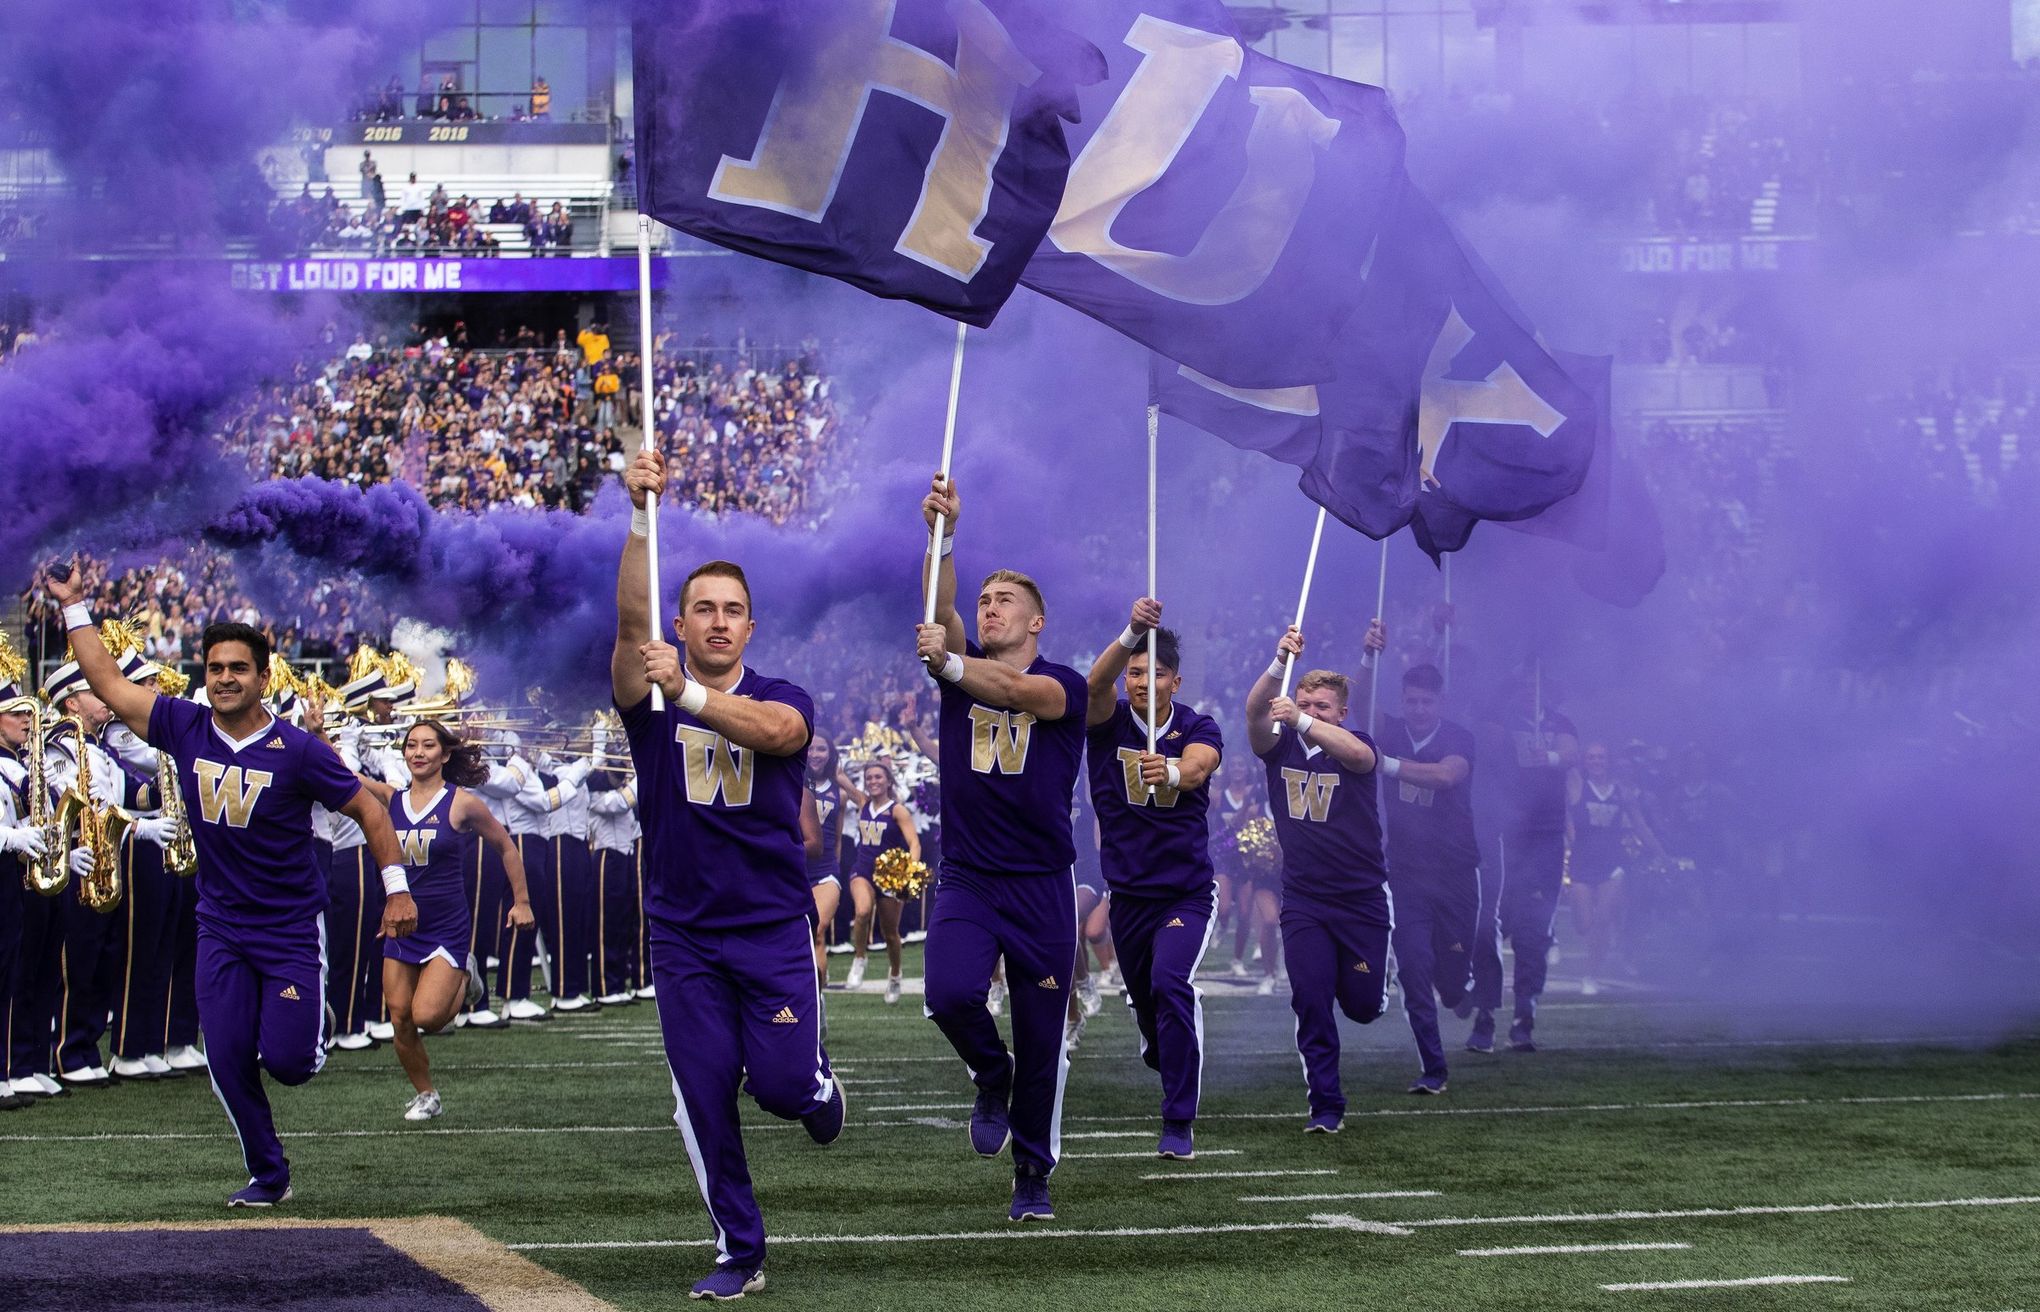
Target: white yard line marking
(1726, 1284)
(1150, 1155)
(1016, 1232)
(1341, 1198)
(1340, 1221)
(1109, 1134)
(1231, 1175)
(1540, 1250)
(923, 1107)
(1708, 1213)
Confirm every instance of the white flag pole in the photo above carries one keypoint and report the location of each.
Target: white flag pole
(1380, 605)
(1445, 656)
(948, 452)
(1317, 535)
(1154, 423)
(648, 428)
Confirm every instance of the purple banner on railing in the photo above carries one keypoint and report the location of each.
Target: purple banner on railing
(361, 274)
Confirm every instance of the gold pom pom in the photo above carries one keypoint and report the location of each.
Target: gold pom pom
(1258, 852)
(898, 874)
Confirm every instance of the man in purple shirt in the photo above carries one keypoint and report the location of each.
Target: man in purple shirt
(721, 772)
(1011, 732)
(1335, 909)
(249, 782)
(1154, 847)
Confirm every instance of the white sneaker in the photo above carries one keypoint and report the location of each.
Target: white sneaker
(1087, 995)
(1588, 988)
(1239, 968)
(354, 1042)
(579, 1002)
(423, 1107)
(1073, 1032)
(856, 975)
(524, 1009)
(157, 1066)
(892, 990)
(85, 1075)
(485, 1019)
(382, 1031)
(133, 1068)
(1266, 988)
(995, 998)
(648, 991)
(617, 999)
(186, 1058)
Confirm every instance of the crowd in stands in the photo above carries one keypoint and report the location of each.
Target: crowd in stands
(420, 222)
(445, 100)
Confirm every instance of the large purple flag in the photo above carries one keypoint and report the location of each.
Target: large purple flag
(1442, 404)
(912, 148)
(1221, 203)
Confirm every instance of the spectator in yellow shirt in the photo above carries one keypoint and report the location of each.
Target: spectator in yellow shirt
(594, 341)
(541, 98)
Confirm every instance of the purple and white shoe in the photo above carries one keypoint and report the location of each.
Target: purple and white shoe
(1325, 1123)
(728, 1282)
(260, 1195)
(991, 1122)
(1428, 1084)
(1030, 1200)
(1177, 1144)
(825, 1123)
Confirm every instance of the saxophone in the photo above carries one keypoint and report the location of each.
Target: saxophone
(100, 830)
(49, 873)
(180, 858)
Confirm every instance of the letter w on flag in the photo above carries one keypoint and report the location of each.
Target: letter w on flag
(909, 147)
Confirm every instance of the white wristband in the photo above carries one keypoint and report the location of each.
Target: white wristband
(947, 545)
(1391, 766)
(640, 522)
(1303, 724)
(1173, 775)
(395, 881)
(1130, 640)
(952, 669)
(1279, 668)
(77, 615)
(693, 696)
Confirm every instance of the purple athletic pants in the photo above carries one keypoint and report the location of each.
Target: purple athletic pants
(261, 1003)
(1160, 941)
(738, 1008)
(1338, 958)
(1031, 921)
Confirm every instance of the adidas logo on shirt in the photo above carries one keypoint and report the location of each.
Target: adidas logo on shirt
(1361, 966)
(289, 994)
(786, 1017)
(1048, 982)
(274, 745)
(1177, 923)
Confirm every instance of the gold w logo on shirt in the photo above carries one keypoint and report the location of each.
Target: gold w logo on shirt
(999, 740)
(714, 768)
(786, 1017)
(417, 845)
(1309, 795)
(1137, 791)
(229, 792)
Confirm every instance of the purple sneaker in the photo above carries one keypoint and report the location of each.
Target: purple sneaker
(1519, 1037)
(1176, 1143)
(991, 1125)
(1482, 1037)
(260, 1195)
(1030, 1200)
(727, 1283)
(1325, 1123)
(1429, 1084)
(825, 1123)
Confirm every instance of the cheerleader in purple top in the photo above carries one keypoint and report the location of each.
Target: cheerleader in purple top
(428, 972)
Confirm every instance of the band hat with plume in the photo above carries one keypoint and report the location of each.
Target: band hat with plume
(65, 680)
(14, 696)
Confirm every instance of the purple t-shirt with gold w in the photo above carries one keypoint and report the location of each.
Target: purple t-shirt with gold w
(250, 805)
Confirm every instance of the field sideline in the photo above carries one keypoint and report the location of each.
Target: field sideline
(1647, 1157)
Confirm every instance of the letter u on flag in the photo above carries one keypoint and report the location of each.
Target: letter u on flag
(907, 147)
(1221, 203)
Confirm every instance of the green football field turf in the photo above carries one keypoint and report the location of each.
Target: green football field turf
(1906, 1165)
